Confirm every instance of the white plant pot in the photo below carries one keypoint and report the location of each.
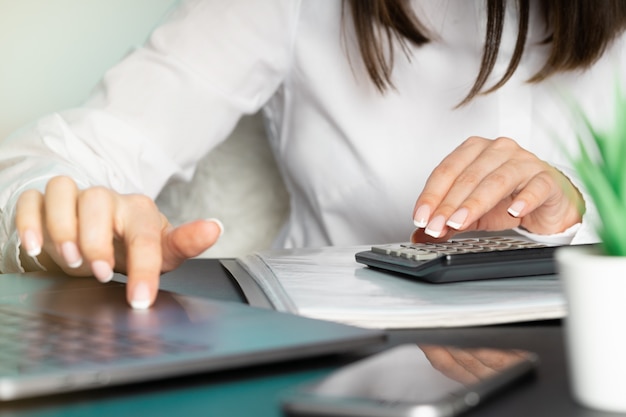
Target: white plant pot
(595, 327)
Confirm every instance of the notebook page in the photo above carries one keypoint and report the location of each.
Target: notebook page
(327, 283)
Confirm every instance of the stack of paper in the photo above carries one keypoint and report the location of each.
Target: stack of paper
(328, 284)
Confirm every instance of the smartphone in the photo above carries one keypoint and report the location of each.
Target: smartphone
(412, 380)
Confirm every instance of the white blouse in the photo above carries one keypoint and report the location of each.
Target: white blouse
(353, 160)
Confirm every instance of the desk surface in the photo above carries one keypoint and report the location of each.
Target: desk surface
(255, 391)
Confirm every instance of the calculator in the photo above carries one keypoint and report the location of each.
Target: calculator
(466, 259)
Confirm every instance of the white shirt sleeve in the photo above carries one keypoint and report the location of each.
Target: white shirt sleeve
(157, 112)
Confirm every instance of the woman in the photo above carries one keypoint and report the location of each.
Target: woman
(362, 100)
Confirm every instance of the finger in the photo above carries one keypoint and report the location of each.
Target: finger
(533, 195)
(419, 236)
(60, 220)
(499, 359)
(484, 181)
(548, 204)
(472, 364)
(443, 176)
(28, 221)
(141, 229)
(95, 220)
(444, 360)
(495, 219)
(497, 186)
(189, 240)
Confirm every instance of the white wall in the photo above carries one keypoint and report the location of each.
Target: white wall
(53, 52)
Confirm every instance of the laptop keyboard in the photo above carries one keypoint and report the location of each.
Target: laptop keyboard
(33, 341)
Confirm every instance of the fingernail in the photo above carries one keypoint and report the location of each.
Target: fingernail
(516, 208)
(102, 271)
(141, 297)
(435, 227)
(31, 243)
(457, 220)
(219, 224)
(70, 253)
(421, 216)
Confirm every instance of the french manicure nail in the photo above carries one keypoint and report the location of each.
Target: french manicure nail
(421, 216)
(516, 208)
(141, 297)
(70, 253)
(435, 227)
(219, 224)
(102, 271)
(31, 243)
(457, 220)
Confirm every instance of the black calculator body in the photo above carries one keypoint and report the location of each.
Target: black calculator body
(465, 259)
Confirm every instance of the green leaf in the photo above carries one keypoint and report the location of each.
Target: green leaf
(601, 165)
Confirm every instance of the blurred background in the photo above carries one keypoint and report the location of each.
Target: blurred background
(52, 54)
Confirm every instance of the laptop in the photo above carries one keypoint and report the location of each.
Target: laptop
(61, 334)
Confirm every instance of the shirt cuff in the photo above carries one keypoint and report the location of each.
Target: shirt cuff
(564, 238)
(11, 258)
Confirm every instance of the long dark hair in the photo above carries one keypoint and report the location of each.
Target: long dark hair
(579, 31)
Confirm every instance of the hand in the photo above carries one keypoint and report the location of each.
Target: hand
(469, 366)
(495, 185)
(96, 231)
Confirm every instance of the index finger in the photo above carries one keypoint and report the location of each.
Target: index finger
(141, 232)
(443, 177)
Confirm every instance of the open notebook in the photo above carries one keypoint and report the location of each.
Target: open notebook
(60, 334)
(327, 283)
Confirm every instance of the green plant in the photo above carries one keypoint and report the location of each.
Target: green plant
(601, 165)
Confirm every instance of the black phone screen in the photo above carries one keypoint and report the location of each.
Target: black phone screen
(443, 377)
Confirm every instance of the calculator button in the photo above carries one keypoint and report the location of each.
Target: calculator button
(428, 250)
(417, 254)
(424, 255)
(385, 250)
